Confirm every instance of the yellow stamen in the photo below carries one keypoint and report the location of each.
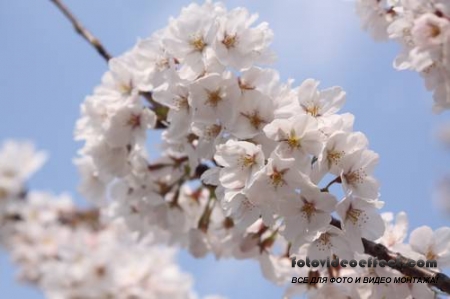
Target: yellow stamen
(248, 161)
(334, 157)
(277, 177)
(313, 110)
(198, 44)
(293, 140)
(353, 215)
(431, 255)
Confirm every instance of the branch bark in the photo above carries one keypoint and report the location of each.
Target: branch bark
(160, 110)
(79, 28)
(383, 253)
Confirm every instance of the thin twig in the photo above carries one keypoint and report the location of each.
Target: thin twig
(86, 34)
(337, 180)
(440, 281)
(160, 110)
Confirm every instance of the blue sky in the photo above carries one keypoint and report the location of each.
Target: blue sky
(46, 70)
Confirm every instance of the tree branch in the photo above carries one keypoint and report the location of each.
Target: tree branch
(383, 253)
(160, 110)
(86, 34)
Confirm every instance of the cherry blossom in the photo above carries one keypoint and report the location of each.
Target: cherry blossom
(432, 245)
(422, 28)
(248, 166)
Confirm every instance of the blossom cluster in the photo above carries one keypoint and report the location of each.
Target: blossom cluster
(248, 162)
(422, 27)
(70, 253)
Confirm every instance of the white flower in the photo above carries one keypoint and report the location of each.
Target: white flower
(329, 242)
(242, 210)
(319, 103)
(119, 83)
(255, 111)
(265, 80)
(279, 176)
(210, 136)
(432, 245)
(375, 17)
(337, 147)
(129, 124)
(395, 233)
(239, 45)
(175, 97)
(215, 97)
(298, 137)
(430, 31)
(192, 34)
(111, 161)
(274, 268)
(360, 219)
(240, 161)
(93, 185)
(423, 30)
(306, 214)
(153, 62)
(356, 174)
(380, 290)
(18, 161)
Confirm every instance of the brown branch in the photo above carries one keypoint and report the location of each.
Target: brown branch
(337, 180)
(86, 34)
(441, 281)
(160, 110)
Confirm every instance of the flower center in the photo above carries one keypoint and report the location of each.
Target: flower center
(126, 88)
(333, 157)
(248, 161)
(277, 177)
(213, 131)
(313, 110)
(355, 177)
(357, 217)
(324, 241)
(434, 31)
(229, 41)
(181, 103)
(162, 63)
(134, 121)
(308, 210)
(293, 141)
(214, 98)
(244, 85)
(254, 119)
(198, 44)
(353, 215)
(431, 255)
